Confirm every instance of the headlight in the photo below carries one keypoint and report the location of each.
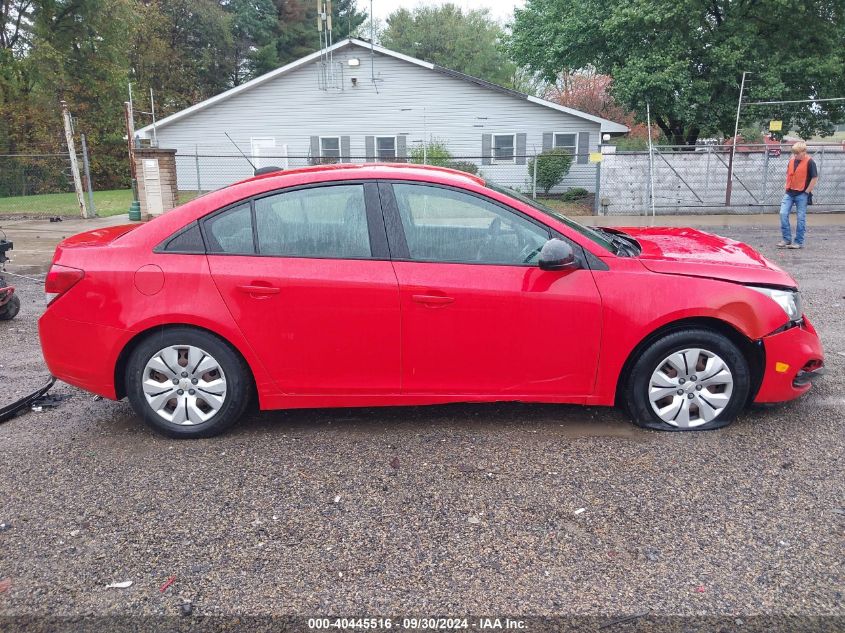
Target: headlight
(789, 300)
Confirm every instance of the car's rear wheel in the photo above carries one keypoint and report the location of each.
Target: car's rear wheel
(10, 309)
(690, 380)
(187, 383)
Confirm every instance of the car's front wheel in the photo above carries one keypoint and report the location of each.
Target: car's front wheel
(688, 380)
(187, 383)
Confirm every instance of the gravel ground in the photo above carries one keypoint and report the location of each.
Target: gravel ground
(452, 510)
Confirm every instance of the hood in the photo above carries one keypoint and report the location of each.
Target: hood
(685, 251)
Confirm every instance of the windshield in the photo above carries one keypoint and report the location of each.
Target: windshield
(575, 226)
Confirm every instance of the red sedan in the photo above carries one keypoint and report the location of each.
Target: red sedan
(368, 285)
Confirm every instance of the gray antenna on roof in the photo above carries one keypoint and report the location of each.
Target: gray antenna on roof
(254, 168)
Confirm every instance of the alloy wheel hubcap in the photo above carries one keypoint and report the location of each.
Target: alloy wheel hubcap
(184, 385)
(690, 387)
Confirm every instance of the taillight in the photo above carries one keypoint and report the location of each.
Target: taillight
(60, 279)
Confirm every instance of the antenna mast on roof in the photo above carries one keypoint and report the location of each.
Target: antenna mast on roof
(327, 78)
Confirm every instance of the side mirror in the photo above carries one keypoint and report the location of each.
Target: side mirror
(557, 255)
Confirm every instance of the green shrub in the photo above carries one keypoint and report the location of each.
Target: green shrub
(435, 153)
(553, 164)
(575, 193)
(464, 165)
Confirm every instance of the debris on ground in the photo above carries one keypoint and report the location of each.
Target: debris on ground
(5, 584)
(49, 401)
(337, 499)
(474, 520)
(394, 463)
(120, 585)
(167, 583)
(5, 526)
(187, 608)
(580, 510)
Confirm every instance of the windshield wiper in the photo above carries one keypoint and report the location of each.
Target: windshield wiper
(622, 245)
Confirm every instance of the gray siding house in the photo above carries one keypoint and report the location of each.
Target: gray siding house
(355, 102)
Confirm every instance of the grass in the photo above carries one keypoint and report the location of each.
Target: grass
(578, 207)
(107, 203)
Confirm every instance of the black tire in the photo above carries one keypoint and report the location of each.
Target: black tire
(635, 394)
(237, 377)
(11, 308)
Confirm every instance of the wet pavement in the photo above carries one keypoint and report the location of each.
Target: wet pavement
(453, 510)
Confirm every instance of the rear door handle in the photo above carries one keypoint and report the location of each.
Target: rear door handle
(259, 290)
(432, 300)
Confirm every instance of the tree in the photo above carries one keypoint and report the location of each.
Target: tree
(469, 42)
(552, 165)
(588, 91)
(686, 57)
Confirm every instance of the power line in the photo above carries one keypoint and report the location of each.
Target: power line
(794, 101)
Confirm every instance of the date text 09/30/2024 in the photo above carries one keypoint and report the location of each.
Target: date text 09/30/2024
(416, 624)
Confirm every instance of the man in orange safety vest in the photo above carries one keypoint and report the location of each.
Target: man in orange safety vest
(801, 177)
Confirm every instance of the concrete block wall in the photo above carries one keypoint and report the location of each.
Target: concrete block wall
(695, 182)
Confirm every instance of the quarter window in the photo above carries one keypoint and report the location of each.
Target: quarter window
(324, 222)
(231, 231)
(330, 149)
(386, 148)
(503, 148)
(445, 225)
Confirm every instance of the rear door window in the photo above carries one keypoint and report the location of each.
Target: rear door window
(230, 232)
(318, 222)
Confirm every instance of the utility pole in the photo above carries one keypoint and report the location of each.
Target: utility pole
(134, 206)
(729, 186)
(74, 164)
(92, 210)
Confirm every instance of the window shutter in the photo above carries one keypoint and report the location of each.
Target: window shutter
(315, 150)
(521, 141)
(486, 149)
(370, 148)
(583, 148)
(401, 147)
(344, 149)
(548, 140)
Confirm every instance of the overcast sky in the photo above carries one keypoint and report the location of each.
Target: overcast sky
(500, 9)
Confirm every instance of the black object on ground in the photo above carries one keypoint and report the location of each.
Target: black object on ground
(9, 411)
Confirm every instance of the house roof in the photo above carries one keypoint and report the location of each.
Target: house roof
(606, 125)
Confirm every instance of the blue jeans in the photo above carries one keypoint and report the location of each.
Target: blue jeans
(800, 202)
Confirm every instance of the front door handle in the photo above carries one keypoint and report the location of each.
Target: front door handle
(432, 300)
(259, 290)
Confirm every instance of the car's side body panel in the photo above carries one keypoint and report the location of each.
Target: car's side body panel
(86, 330)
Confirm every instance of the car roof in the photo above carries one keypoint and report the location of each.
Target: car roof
(344, 171)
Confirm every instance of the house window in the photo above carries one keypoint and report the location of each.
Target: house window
(568, 142)
(386, 148)
(330, 149)
(503, 148)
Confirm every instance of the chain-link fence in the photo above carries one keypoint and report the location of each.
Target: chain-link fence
(38, 184)
(207, 171)
(695, 180)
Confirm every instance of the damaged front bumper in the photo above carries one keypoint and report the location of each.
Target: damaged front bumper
(794, 358)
